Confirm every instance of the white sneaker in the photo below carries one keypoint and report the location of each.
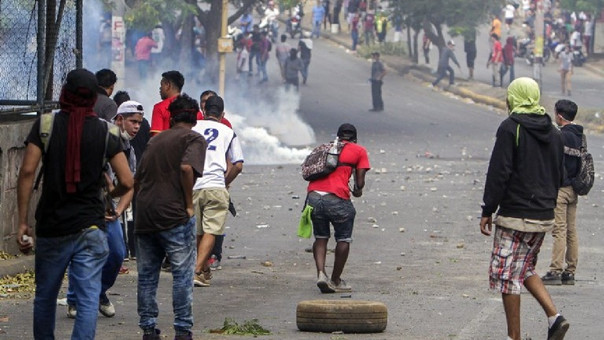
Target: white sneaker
(324, 284)
(342, 287)
(72, 312)
(107, 310)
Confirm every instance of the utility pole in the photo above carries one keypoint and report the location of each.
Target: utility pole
(223, 47)
(118, 45)
(539, 42)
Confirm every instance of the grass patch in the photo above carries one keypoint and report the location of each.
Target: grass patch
(385, 48)
(6, 256)
(249, 327)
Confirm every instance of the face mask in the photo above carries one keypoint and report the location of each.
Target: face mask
(125, 135)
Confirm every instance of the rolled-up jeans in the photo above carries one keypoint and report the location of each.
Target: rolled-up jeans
(111, 268)
(87, 251)
(179, 244)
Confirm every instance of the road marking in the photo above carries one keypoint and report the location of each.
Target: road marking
(473, 327)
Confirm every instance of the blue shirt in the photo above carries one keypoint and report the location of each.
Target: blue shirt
(318, 12)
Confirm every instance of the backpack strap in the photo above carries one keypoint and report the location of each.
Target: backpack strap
(45, 132)
(342, 163)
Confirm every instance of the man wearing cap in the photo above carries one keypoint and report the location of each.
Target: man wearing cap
(330, 198)
(523, 178)
(128, 119)
(565, 251)
(443, 64)
(377, 75)
(210, 195)
(70, 216)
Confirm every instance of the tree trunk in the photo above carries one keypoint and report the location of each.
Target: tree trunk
(187, 47)
(415, 51)
(409, 47)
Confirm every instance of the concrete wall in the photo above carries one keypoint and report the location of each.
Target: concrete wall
(12, 135)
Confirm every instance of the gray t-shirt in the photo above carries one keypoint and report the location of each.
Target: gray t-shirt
(105, 107)
(566, 59)
(292, 67)
(377, 68)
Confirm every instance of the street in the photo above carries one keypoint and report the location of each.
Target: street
(417, 245)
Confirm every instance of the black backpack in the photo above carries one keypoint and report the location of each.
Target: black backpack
(584, 180)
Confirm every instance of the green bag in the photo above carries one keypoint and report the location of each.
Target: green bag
(305, 226)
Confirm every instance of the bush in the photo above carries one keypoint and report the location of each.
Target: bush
(386, 48)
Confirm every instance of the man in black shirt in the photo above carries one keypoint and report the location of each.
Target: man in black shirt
(70, 217)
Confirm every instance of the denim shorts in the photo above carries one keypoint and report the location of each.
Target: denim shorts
(332, 209)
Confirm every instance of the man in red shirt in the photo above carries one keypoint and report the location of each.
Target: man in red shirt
(496, 59)
(169, 88)
(330, 198)
(142, 53)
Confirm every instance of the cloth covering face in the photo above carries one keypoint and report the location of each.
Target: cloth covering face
(523, 97)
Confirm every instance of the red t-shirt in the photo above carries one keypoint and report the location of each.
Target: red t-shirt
(160, 120)
(337, 181)
(142, 50)
(497, 56)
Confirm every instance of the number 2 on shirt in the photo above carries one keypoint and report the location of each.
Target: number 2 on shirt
(211, 135)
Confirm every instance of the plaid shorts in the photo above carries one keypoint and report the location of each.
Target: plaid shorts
(513, 259)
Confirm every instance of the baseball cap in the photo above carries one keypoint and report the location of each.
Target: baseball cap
(130, 106)
(451, 42)
(347, 131)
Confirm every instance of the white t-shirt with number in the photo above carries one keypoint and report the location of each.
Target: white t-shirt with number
(222, 144)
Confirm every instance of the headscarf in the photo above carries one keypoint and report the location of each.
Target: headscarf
(78, 96)
(523, 97)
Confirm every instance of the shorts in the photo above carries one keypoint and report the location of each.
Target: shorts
(332, 209)
(513, 259)
(470, 57)
(211, 208)
(509, 21)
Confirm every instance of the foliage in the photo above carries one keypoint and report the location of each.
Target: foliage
(590, 6)
(18, 286)
(146, 14)
(249, 327)
(387, 48)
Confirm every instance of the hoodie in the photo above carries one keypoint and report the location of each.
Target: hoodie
(526, 168)
(572, 135)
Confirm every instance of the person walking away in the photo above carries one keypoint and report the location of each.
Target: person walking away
(526, 161)
(377, 76)
(509, 11)
(105, 107)
(330, 199)
(165, 177)
(70, 213)
(509, 50)
(443, 64)
(426, 46)
(128, 120)
(169, 88)
(158, 35)
(305, 48)
(566, 70)
(495, 26)
(495, 60)
(293, 66)
(469, 47)
(318, 13)
(354, 31)
(282, 53)
(369, 28)
(265, 47)
(565, 251)
(142, 53)
(254, 49)
(210, 196)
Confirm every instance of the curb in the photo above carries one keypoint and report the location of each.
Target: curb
(594, 69)
(16, 266)
(425, 74)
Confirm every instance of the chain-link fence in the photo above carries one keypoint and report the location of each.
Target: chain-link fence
(39, 42)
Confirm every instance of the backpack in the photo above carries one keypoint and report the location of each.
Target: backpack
(46, 126)
(320, 162)
(584, 180)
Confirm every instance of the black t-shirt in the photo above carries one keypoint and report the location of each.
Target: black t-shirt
(59, 213)
(160, 200)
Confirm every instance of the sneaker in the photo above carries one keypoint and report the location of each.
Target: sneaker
(552, 279)
(72, 311)
(325, 284)
(126, 259)
(342, 287)
(202, 279)
(107, 309)
(188, 336)
(558, 329)
(214, 263)
(153, 336)
(568, 278)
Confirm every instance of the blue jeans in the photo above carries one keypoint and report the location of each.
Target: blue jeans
(355, 39)
(316, 29)
(442, 72)
(111, 269)
(304, 71)
(87, 252)
(262, 69)
(179, 244)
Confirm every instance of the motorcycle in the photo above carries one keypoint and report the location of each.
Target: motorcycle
(294, 23)
(578, 58)
(271, 29)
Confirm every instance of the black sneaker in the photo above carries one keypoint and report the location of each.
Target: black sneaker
(552, 279)
(558, 329)
(568, 278)
(154, 336)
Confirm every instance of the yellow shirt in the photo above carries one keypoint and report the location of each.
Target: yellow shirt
(496, 27)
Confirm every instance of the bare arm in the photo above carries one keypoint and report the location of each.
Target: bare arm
(187, 179)
(359, 182)
(232, 173)
(119, 164)
(25, 183)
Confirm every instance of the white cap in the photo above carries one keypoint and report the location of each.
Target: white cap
(451, 42)
(130, 106)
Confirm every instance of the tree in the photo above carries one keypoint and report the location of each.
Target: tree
(459, 16)
(589, 6)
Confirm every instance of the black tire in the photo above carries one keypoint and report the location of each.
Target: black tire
(349, 316)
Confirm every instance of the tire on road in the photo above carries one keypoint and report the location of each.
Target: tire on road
(350, 316)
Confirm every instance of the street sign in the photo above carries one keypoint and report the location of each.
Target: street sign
(225, 45)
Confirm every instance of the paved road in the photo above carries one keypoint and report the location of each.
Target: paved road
(432, 276)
